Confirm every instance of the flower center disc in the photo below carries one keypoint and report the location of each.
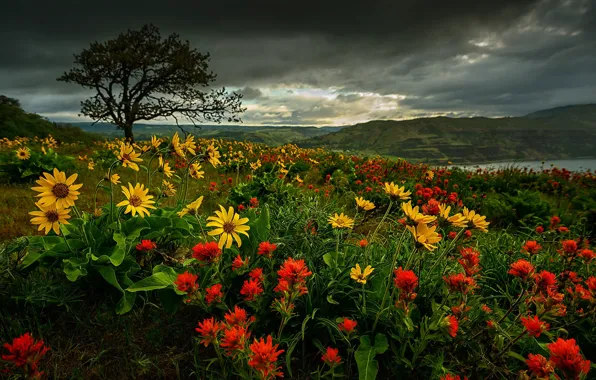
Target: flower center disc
(60, 190)
(228, 227)
(125, 157)
(135, 201)
(52, 216)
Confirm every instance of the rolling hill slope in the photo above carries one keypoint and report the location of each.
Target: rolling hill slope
(565, 132)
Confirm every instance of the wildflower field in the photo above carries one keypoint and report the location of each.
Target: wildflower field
(190, 258)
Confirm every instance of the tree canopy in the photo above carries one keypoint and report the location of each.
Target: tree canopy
(141, 76)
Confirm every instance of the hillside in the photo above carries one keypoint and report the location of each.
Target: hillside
(566, 132)
(269, 135)
(14, 121)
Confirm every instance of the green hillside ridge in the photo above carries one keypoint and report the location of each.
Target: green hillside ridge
(562, 133)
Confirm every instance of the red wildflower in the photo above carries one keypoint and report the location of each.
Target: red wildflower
(331, 357)
(534, 326)
(347, 325)
(566, 357)
(241, 207)
(26, 352)
(460, 283)
(363, 243)
(406, 281)
(563, 229)
(187, 282)
(467, 234)
(251, 288)
(487, 309)
(146, 245)
(266, 249)
(545, 280)
(238, 262)
(450, 377)
(431, 207)
(554, 221)
(254, 202)
(238, 317)
(208, 252)
(292, 276)
(470, 261)
(532, 247)
(522, 269)
(452, 235)
(209, 329)
(587, 255)
(540, 366)
(591, 283)
(539, 230)
(569, 246)
(235, 339)
(450, 322)
(256, 273)
(263, 357)
(213, 294)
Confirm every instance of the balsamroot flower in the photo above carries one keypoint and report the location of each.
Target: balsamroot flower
(187, 282)
(49, 217)
(534, 326)
(397, 192)
(414, 214)
(478, 221)
(228, 225)
(266, 249)
(207, 252)
(425, 235)
(192, 208)
(364, 204)
(209, 329)
(565, 355)
(359, 276)
(341, 221)
(129, 157)
(57, 189)
(23, 153)
(137, 200)
(263, 358)
(539, 366)
(25, 352)
(522, 269)
(331, 357)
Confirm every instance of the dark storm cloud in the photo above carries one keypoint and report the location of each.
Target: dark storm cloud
(465, 56)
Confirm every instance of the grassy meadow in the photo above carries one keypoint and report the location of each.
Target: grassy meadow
(206, 258)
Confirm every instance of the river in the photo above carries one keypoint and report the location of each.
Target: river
(575, 165)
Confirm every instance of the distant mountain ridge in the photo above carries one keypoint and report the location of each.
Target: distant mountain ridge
(557, 133)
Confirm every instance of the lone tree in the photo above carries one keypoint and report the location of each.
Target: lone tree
(140, 76)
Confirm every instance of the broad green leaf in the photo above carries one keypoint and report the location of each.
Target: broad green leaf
(161, 278)
(368, 367)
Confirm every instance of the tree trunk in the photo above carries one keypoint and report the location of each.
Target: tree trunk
(128, 133)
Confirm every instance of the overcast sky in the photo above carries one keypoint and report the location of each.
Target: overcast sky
(328, 62)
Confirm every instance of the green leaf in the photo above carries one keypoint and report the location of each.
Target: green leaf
(368, 367)
(75, 267)
(261, 227)
(517, 356)
(161, 278)
(330, 259)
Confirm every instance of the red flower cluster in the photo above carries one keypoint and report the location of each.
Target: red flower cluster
(451, 324)
(534, 326)
(406, 281)
(263, 357)
(251, 289)
(146, 245)
(522, 269)
(460, 283)
(266, 249)
(531, 247)
(26, 353)
(213, 294)
(207, 252)
(234, 339)
(239, 262)
(347, 325)
(292, 277)
(470, 261)
(539, 366)
(187, 282)
(331, 357)
(566, 357)
(209, 329)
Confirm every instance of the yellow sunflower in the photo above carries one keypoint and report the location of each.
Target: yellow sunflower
(23, 153)
(255, 165)
(228, 225)
(341, 221)
(425, 235)
(168, 189)
(49, 217)
(195, 171)
(167, 170)
(178, 147)
(192, 208)
(129, 157)
(364, 204)
(477, 220)
(358, 275)
(155, 142)
(414, 214)
(395, 191)
(190, 145)
(429, 174)
(213, 156)
(137, 200)
(91, 165)
(57, 189)
(115, 179)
